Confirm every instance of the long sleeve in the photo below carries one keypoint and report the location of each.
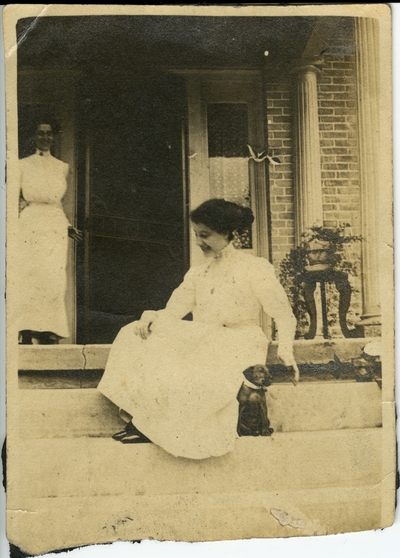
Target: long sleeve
(65, 171)
(271, 295)
(22, 203)
(183, 299)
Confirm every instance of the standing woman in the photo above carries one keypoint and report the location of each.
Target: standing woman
(177, 379)
(43, 243)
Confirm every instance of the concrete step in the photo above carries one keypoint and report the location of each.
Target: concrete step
(93, 357)
(87, 467)
(311, 406)
(91, 489)
(75, 522)
(67, 413)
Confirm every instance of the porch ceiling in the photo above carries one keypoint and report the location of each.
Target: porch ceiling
(173, 42)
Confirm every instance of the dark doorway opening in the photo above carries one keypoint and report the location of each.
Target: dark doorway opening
(132, 188)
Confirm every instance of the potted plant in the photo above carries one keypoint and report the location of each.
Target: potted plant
(321, 255)
(326, 246)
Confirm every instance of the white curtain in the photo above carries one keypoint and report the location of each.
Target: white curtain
(229, 179)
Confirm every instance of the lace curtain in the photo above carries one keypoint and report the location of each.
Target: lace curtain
(229, 179)
(228, 162)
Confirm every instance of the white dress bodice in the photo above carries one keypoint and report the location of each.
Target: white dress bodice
(43, 179)
(230, 290)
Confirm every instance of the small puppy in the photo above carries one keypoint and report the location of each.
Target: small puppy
(253, 415)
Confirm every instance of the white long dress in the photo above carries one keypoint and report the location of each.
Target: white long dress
(43, 245)
(180, 384)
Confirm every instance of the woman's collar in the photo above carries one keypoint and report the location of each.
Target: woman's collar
(43, 153)
(225, 252)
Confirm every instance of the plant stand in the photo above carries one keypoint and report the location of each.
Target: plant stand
(322, 276)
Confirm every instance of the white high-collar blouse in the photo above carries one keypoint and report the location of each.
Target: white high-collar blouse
(43, 179)
(229, 290)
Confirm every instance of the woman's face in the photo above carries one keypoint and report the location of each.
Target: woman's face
(208, 240)
(43, 137)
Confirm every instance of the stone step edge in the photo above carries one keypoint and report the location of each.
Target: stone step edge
(89, 357)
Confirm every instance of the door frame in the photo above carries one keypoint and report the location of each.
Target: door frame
(47, 88)
(229, 86)
(224, 86)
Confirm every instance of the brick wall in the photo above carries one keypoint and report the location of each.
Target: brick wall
(339, 161)
(339, 152)
(280, 142)
(338, 137)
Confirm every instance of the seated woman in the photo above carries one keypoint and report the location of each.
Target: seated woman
(177, 379)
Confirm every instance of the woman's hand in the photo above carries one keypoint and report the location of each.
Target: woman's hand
(287, 357)
(75, 234)
(143, 326)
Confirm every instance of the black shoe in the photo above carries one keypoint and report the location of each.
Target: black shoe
(119, 435)
(25, 337)
(135, 439)
(129, 429)
(48, 338)
(131, 434)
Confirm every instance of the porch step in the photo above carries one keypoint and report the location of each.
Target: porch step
(94, 357)
(190, 517)
(88, 467)
(311, 406)
(329, 481)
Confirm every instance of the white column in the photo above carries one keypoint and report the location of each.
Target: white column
(367, 52)
(308, 188)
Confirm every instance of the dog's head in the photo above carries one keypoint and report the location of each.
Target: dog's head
(258, 375)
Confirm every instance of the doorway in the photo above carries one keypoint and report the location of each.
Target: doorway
(226, 120)
(226, 116)
(133, 195)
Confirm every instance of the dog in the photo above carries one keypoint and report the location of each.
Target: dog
(253, 414)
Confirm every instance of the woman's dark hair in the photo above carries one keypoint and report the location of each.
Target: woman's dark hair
(55, 126)
(223, 217)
